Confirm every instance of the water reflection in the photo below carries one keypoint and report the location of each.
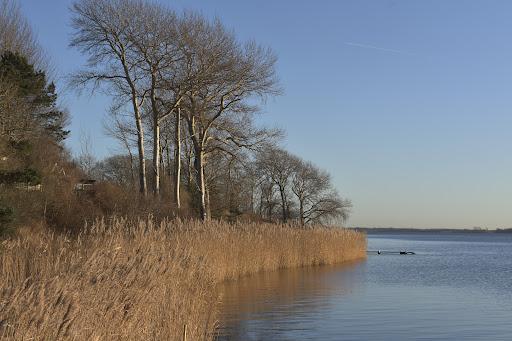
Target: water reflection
(271, 302)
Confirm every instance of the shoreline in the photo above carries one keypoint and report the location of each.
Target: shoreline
(135, 280)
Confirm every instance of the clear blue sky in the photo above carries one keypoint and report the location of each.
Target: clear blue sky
(407, 103)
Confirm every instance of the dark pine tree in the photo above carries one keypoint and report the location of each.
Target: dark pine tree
(31, 86)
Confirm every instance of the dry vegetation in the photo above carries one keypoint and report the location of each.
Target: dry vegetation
(122, 280)
(194, 87)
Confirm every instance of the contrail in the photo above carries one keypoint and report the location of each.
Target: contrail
(364, 46)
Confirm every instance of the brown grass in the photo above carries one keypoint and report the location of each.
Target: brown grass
(123, 280)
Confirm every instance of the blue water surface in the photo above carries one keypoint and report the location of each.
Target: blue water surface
(458, 286)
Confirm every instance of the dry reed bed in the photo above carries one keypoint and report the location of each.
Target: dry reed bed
(137, 281)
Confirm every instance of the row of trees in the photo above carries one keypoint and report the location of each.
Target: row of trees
(270, 184)
(185, 93)
(167, 69)
(189, 88)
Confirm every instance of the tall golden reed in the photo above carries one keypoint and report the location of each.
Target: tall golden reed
(121, 280)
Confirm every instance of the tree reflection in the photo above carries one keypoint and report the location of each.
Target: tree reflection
(265, 305)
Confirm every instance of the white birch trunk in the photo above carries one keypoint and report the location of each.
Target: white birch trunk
(177, 160)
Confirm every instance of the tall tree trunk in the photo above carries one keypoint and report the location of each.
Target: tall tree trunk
(301, 211)
(132, 173)
(228, 190)
(177, 160)
(199, 165)
(169, 160)
(283, 204)
(260, 208)
(270, 204)
(162, 161)
(156, 135)
(190, 161)
(251, 203)
(198, 139)
(208, 207)
(143, 187)
(156, 156)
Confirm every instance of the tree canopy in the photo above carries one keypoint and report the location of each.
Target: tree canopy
(28, 101)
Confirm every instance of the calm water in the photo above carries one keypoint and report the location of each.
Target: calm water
(457, 287)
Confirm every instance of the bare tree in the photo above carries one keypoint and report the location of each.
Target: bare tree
(115, 169)
(172, 138)
(86, 159)
(268, 200)
(224, 75)
(153, 31)
(17, 36)
(318, 201)
(138, 46)
(177, 161)
(328, 209)
(278, 166)
(118, 128)
(102, 32)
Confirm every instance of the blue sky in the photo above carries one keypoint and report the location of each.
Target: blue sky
(406, 103)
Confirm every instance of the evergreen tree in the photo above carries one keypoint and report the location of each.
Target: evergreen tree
(29, 87)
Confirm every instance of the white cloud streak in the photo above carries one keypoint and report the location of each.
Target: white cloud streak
(371, 47)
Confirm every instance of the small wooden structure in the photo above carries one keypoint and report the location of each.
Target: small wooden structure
(85, 186)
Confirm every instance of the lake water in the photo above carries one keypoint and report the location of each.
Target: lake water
(457, 287)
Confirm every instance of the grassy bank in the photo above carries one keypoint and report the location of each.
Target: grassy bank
(137, 281)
